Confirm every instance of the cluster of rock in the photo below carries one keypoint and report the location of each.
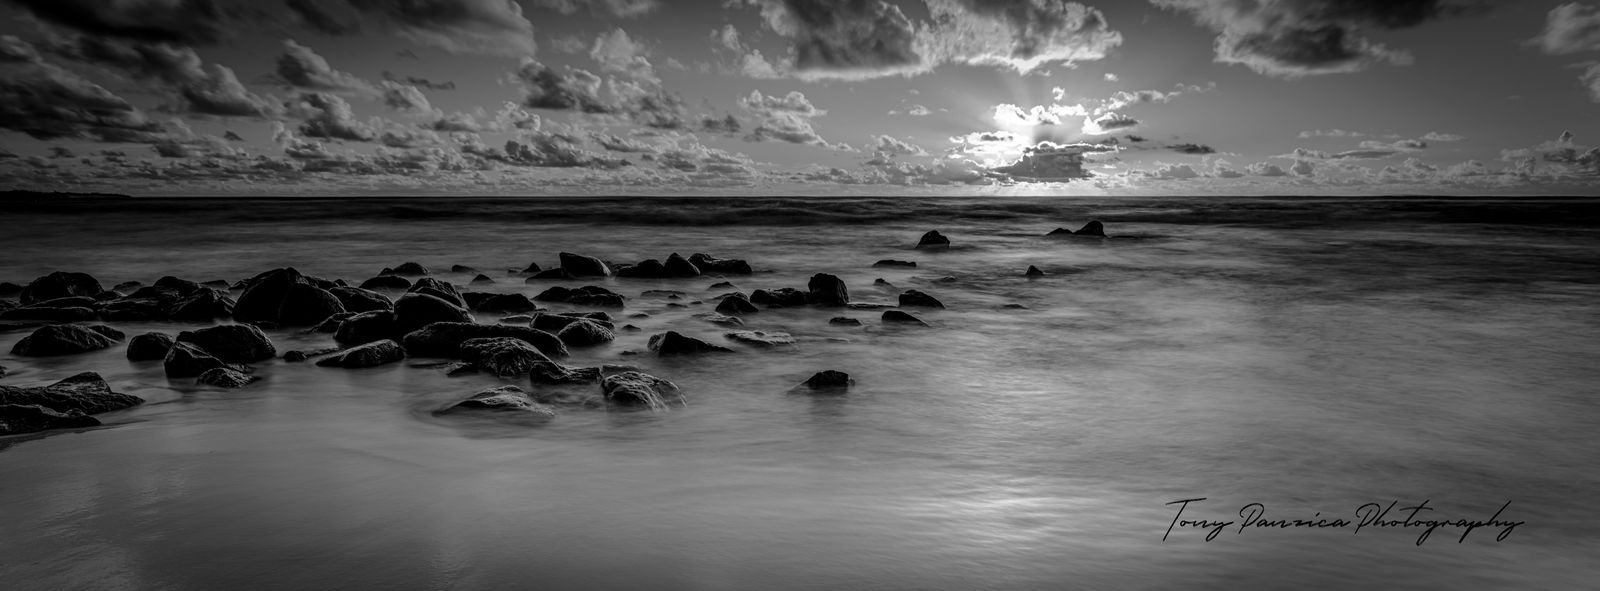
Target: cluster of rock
(67, 404)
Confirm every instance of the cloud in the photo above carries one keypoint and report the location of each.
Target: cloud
(1196, 149)
(1562, 157)
(189, 22)
(329, 116)
(1570, 28)
(620, 8)
(572, 89)
(404, 97)
(510, 117)
(848, 39)
(642, 99)
(1266, 169)
(419, 82)
(888, 146)
(302, 68)
(748, 61)
(1050, 161)
(1174, 172)
(1434, 136)
(1123, 99)
(1591, 81)
(495, 27)
(1303, 168)
(199, 88)
(1293, 38)
(1023, 35)
(785, 118)
(1330, 133)
(615, 51)
(46, 101)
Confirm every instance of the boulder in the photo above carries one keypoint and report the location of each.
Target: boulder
(223, 377)
(709, 264)
(632, 388)
(150, 346)
(408, 270)
(502, 356)
(645, 269)
(127, 287)
(827, 290)
(724, 285)
(67, 302)
(933, 239)
(62, 339)
(481, 279)
(736, 305)
(1060, 232)
(302, 356)
(555, 374)
(583, 266)
(9, 289)
(912, 297)
(387, 283)
(204, 305)
(16, 419)
(1094, 228)
(553, 323)
(895, 263)
(414, 311)
(232, 343)
(444, 339)
(371, 354)
(85, 393)
(671, 294)
(844, 321)
(505, 302)
(462, 269)
(590, 295)
(43, 313)
(1034, 271)
(585, 333)
(502, 399)
(517, 319)
(359, 299)
(532, 268)
(787, 297)
(306, 305)
(263, 296)
(367, 327)
(60, 285)
(186, 361)
(828, 380)
(898, 317)
(720, 319)
(671, 343)
(552, 274)
(761, 339)
(677, 266)
(439, 289)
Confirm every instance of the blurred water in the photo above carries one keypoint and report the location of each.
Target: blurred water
(1309, 355)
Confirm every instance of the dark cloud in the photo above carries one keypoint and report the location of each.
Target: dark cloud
(1292, 38)
(845, 38)
(190, 22)
(419, 82)
(622, 8)
(785, 119)
(204, 89)
(568, 90)
(329, 116)
(46, 101)
(726, 124)
(403, 97)
(1197, 149)
(301, 67)
(1051, 161)
(465, 26)
(1020, 34)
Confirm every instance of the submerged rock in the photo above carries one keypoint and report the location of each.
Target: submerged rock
(223, 377)
(506, 302)
(933, 239)
(305, 305)
(677, 266)
(367, 327)
(186, 361)
(1034, 271)
(786, 297)
(63, 339)
(898, 317)
(150, 346)
(233, 343)
(552, 274)
(1093, 228)
(829, 380)
(583, 266)
(85, 393)
(60, 285)
(44, 313)
(645, 269)
(1060, 232)
(371, 354)
(632, 388)
(844, 321)
(710, 264)
(414, 311)
(462, 269)
(482, 279)
(502, 399)
(444, 339)
(439, 289)
(737, 305)
(827, 290)
(387, 283)
(672, 343)
(16, 419)
(895, 263)
(502, 356)
(912, 297)
(532, 268)
(554, 374)
(408, 269)
(590, 295)
(720, 319)
(302, 356)
(585, 333)
(358, 300)
(761, 339)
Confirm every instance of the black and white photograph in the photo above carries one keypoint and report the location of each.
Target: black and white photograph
(792, 295)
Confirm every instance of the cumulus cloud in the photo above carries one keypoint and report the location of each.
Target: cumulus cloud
(785, 118)
(189, 22)
(329, 116)
(301, 67)
(1049, 161)
(642, 99)
(848, 39)
(406, 98)
(1434, 136)
(1563, 156)
(888, 147)
(621, 8)
(746, 61)
(615, 51)
(1570, 28)
(200, 88)
(495, 27)
(1023, 35)
(46, 101)
(1192, 148)
(1174, 172)
(423, 83)
(1266, 169)
(1293, 38)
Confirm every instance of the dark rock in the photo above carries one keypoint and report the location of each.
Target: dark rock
(677, 266)
(204, 305)
(150, 346)
(462, 269)
(61, 339)
(127, 287)
(585, 333)
(913, 297)
(761, 339)
(645, 269)
(307, 305)
(85, 393)
(632, 388)
(933, 239)
(503, 399)
(481, 279)
(387, 283)
(709, 264)
(583, 296)
(737, 305)
(371, 354)
(217, 284)
(360, 299)
(506, 302)
(367, 327)
(302, 356)
(787, 297)
(69, 302)
(115, 335)
(626, 327)
(1034, 271)
(1060, 232)
(9, 290)
(232, 343)
(532, 268)
(186, 361)
(895, 263)
(553, 323)
(583, 266)
(502, 356)
(1093, 228)
(518, 319)
(553, 274)
(638, 315)
(881, 282)
(829, 380)
(722, 285)
(898, 317)
(555, 374)
(439, 289)
(827, 290)
(16, 419)
(662, 293)
(720, 319)
(1014, 307)
(844, 321)
(223, 377)
(263, 298)
(409, 270)
(444, 339)
(46, 314)
(415, 310)
(60, 285)
(671, 343)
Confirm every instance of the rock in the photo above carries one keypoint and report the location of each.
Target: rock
(517, 319)
(645, 269)
(880, 282)
(722, 285)
(264, 294)
(68, 302)
(895, 263)
(626, 327)
(85, 393)
(1093, 228)
(414, 311)
(367, 327)
(590, 295)
(387, 283)
(671, 343)
(59, 285)
(502, 356)
(16, 419)
(205, 305)
(583, 266)
(720, 319)
(787, 297)
(827, 290)
(870, 305)
(1014, 307)
(677, 266)
(844, 321)
(61, 339)
(761, 339)
(462, 269)
(127, 287)
(555, 274)
(331, 325)
(912, 297)
(409, 270)
(150, 346)
(506, 302)
(829, 380)
(556, 374)
(186, 361)
(371, 354)
(360, 299)
(632, 388)
(1060, 232)
(2, 371)
(43, 313)
(1034, 271)
(933, 239)
(302, 356)
(532, 268)
(444, 339)
(585, 333)
(439, 289)
(481, 279)
(709, 264)
(307, 305)
(223, 377)
(9, 290)
(232, 343)
(737, 305)
(503, 399)
(898, 317)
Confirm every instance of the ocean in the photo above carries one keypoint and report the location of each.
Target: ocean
(1311, 355)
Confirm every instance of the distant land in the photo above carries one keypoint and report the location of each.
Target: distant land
(17, 195)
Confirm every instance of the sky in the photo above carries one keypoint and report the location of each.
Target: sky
(824, 97)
